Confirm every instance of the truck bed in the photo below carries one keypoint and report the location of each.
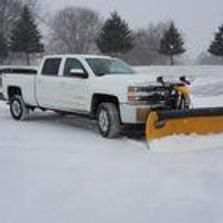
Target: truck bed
(25, 82)
(24, 70)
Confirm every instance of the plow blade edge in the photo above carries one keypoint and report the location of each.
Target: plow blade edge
(178, 122)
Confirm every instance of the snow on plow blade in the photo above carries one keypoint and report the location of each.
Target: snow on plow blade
(176, 122)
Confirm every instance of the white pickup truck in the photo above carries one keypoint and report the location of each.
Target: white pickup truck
(101, 87)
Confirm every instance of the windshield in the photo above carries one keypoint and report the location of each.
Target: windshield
(103, 66)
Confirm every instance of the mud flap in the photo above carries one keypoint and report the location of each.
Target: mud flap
(176, 122)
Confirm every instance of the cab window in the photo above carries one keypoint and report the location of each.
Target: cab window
(73, 68)
(51, 67)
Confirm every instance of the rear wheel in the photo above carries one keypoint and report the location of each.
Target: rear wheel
(18, 108)
(108, 119)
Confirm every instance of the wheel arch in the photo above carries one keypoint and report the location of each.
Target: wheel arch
(97, 99)
(13, 90)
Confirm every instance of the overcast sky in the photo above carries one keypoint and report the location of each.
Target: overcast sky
(197, 19)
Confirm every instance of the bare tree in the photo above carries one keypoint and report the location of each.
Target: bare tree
(146, 50)
(9, 13)
(74, 30)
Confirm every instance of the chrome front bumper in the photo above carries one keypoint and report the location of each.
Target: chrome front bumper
(134, 114)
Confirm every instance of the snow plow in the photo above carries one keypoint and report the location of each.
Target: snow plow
(184, 122)
(180, 119)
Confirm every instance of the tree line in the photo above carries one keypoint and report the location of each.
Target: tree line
(82, 30)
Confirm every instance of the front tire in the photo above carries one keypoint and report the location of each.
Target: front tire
(108, 119)
(18, 108)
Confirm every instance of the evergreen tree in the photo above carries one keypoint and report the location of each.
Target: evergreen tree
(115, 36)
(25, 37)
(171, 43)
(3, 48)
(216, 47)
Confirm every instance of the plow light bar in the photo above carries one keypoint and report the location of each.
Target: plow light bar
(169, 79)
(184, 80)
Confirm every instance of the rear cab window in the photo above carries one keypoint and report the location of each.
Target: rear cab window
(51, 66)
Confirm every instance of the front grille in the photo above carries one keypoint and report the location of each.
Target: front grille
(162, 96)
(158, 93)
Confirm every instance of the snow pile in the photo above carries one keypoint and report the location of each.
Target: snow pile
(207, 87)
(207, 92)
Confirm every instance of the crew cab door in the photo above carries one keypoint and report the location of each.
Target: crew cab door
(75, 89)
(48, 84)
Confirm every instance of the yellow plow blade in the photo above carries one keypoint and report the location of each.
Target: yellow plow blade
(179, 122)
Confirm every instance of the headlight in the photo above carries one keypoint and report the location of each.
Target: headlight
(147, 94)
(134, 94)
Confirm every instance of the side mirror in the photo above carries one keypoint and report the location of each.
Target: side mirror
(78, 73)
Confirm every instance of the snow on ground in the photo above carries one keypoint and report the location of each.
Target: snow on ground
(59, 170)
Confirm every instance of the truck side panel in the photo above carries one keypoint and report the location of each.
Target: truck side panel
(26, 83)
